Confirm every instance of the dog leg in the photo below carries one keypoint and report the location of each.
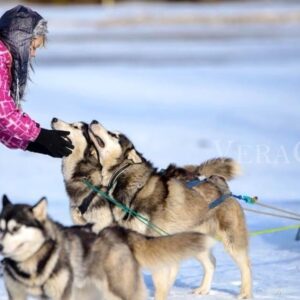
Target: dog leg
(15, 290)
(242, 260)
(141, 290)
(16, 295)
(105, 294)
(163, 280)
(89, 292)
(208, 262)
(235, 241)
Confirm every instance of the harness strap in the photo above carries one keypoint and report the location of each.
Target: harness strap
(13, 269)
(126, 208)
(247, 199)
(220, 200)
(86, 202)
(197, 181)
(113, 180)
(161, 231)
(194, 182)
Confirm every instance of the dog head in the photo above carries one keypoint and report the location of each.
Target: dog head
(22, 229)
(78, 136)
(113, 148)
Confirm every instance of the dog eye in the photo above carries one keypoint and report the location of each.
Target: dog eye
(15, 229)
(112, 134)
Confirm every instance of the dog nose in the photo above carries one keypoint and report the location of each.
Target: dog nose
(54, 120)
(94, 122)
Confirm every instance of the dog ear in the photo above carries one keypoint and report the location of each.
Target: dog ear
(134, 156)
(5, 201)
(40, 209)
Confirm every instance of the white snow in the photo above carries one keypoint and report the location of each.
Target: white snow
(184, 88)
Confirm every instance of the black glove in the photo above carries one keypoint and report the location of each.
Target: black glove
(52, 142)
(37, 148)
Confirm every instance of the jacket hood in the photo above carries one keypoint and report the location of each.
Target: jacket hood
(18, 26)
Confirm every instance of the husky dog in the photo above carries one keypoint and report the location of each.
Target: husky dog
(83, 163)
(42, 258)
(164, 199)
(226, 221)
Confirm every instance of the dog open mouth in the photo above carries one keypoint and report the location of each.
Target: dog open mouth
(100, 142)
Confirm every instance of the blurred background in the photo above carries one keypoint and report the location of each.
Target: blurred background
(186, 81)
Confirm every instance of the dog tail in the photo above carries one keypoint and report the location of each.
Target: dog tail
(152, 252)
(222, 166)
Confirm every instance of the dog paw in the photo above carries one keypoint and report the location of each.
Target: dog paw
(201, 291)
(77, 216)
(244, 295)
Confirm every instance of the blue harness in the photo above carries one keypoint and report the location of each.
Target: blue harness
(194, 182)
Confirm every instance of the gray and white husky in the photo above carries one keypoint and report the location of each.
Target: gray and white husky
(45, 259)
(161, 197)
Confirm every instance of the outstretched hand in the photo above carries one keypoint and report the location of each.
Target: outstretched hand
(52, 142)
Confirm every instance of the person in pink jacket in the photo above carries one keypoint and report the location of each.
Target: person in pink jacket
(22, 31)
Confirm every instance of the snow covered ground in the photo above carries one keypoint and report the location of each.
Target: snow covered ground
(186, 83)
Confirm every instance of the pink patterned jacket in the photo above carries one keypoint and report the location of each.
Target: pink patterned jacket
(17, 129)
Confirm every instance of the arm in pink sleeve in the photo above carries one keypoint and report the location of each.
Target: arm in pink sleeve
(12, 142)
(13, 123)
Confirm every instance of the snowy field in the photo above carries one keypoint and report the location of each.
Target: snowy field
(186, 83)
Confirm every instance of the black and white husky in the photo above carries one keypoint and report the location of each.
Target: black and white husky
(45, 259)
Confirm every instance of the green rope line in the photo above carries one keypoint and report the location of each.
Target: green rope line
(161, 231)
(272, 230)
(125, 208)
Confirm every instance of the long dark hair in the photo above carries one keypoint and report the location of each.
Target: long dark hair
(18, 26)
